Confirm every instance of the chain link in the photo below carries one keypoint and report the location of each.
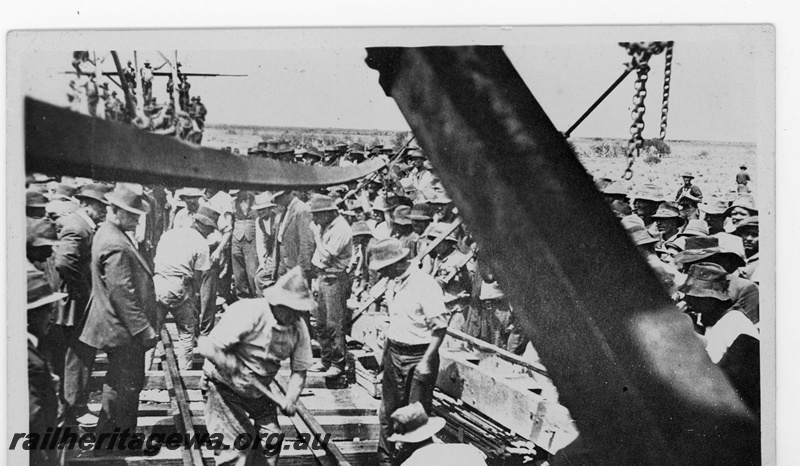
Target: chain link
(640, 53)
(665, 98)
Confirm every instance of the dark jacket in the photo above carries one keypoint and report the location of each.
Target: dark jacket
(123, 301)
(42, 403)
(744, 294)
(297, 245)
(73, 260)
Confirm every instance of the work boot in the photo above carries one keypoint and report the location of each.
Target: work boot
(333, 372)
(319, 366)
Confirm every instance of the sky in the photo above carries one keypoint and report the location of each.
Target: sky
(713, 90)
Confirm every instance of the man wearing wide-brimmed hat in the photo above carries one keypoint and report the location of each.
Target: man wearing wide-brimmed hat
(688, 188)
(122, 316)
(743, 292)
(71, 358)
(450, 271)
(415, 430)
(245, 350)
(417, 326)
(421, 176)
(191, 198)
(742, 178)
(667, 274)
(730, 338)
(62, 202)
(741, 208)
(42, 398)
(403, 229)
(181, 259)
(645, 202)
(334, 250)
(668, 221)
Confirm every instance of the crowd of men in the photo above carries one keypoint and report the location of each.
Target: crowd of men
(185, 121)
(242, 273)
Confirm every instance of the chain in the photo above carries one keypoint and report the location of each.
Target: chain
(640, 53)
(665, 99)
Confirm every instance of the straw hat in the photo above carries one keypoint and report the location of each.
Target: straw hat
(190, 192)
(291, 290)
(39, 290)
(412, 425)
(130, 197)
(386, 252)
(714, 206)
(401, 215)
(361, 228)
(667, 210)
(263, 201)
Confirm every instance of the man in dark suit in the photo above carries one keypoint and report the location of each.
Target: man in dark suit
(42, 399)
(72, 360)
(295, 242)
(121, 317)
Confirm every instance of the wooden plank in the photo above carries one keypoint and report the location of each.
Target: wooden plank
(616, 347)
(357, 453)
(154, 380)
(181, 413)
(59, 141)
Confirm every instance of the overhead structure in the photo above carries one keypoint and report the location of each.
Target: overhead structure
(625, 360)
(59, 141)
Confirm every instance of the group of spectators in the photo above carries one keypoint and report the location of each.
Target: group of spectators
(243, 272)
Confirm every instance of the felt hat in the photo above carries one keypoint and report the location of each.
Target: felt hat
(687, 174)
(714, 206)
(416, 153)
(130, 197)
(695, 228)
(292, 291)
(41, 232)
(263, 201)
(667, 210)
(400, 216)
(64, 192)
(190, 192)
(707, 249)
(746, 202)
(321, 203)
(35, 199)
(93, 191)
(207, 216)
(748, 223)
(386, 252)
(439, 229)
(412, 425)
(361, 228)
(147, 61)
(743, 166)
(39, 290)
(312, 153)
(420, 212)
(706, 280)
(615, 189)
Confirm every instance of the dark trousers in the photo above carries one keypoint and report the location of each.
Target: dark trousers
(208, 299)
(124, 381)
(332, 317)
(401, 387)
(245, 263)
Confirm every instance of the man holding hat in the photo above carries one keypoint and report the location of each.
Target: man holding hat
(42, 398)
(688, 188)
(415, 430)
(181, 259)
(244, 352)
(417, 327)
(73, 359)
(122, 316)
(334, 250)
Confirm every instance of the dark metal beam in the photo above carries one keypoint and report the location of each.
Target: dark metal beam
(626, 362)
(61, 142)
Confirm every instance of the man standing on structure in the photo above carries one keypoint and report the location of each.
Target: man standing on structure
(417, 327)
(334, 240)
(244, 353)
(122, 318)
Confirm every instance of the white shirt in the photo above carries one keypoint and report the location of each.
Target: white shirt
(720, 336)
(416, 308)
(181, 252)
